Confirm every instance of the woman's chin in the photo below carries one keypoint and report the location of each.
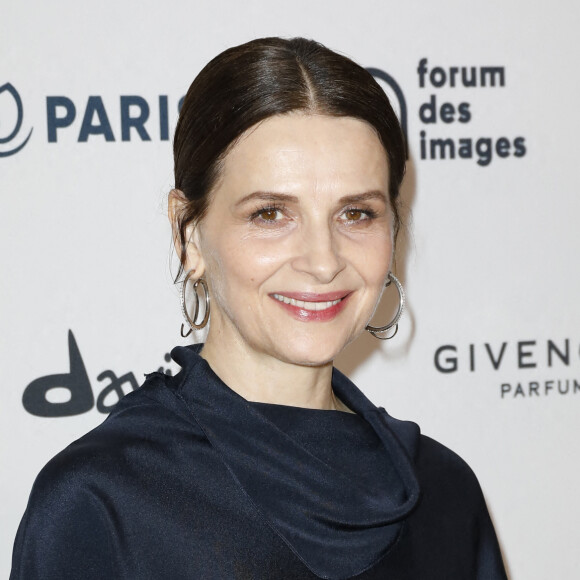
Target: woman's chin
(311, 355)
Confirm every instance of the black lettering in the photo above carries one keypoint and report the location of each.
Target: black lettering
(465, 149)
(495, 362)
(421, 69)
(505, 389)
(523, 354)
(54, 122)
(450, 361)
(488, 75)
(464, 113)
(576, 386)
(438, 77)
(483, 149)
(76, 381)
(471, 357)
(442, 144)
(519, 391)
(502, 147)
(560, 387)
(534, 388)
(138, 122)
(563, 356)
(452, 72)
(447, 113)
(163, 118)
(428, 111)
(548, 386)
(423, 145)
(492, 72)
(116, 387)
(520, 147)
(471, 82)
(102, 127)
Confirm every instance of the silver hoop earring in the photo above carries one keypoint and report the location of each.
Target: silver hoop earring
(377, 330)
(192, 321)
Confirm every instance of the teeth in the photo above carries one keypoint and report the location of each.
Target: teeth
(306, 305)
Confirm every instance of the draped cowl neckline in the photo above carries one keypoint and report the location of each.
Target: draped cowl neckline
(337, 525)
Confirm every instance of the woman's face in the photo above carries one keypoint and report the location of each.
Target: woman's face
(297, 241)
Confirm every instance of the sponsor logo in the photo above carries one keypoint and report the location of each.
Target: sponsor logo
(92, 120)
(445, 115)
(11, 119)
(527, 366)
(454, 116)
(396, 97)
(131, 118)
(39, 396)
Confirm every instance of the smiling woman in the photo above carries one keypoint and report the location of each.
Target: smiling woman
(298, 231)
(259, 459)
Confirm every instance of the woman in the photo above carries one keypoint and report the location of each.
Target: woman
(259, 460)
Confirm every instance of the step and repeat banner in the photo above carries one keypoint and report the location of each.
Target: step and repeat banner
(487, 358)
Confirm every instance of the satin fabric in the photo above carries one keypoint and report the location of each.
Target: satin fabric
(186, 479)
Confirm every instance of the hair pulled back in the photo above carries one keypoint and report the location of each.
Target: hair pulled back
(249, 83)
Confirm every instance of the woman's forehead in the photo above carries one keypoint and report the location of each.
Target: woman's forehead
(299, 149)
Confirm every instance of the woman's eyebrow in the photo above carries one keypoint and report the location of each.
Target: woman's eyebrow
(366, 196)
(287, 198)
(268, 196)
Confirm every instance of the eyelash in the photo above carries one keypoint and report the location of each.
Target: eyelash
(370, 213)
(255, 216)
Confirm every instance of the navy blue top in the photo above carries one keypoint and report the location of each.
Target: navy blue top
(186, 479)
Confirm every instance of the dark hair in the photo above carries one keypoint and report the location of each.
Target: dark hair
(247, 84)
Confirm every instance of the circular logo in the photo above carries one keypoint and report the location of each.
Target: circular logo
(396, 96)
(8, 98)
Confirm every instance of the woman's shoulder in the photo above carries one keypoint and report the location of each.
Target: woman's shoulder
(79, 494)
(143, 415)
(448, 483)
(439, 462)
(452, 512)
(436, 465)
(145, 424)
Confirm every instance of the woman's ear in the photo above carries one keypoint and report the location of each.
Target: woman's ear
(193, 259)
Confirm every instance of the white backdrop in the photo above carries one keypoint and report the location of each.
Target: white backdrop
(488, 265)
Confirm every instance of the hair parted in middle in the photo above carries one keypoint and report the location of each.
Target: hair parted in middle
(247, 84)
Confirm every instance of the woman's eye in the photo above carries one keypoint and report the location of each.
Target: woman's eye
(356, 215)
(269, 215)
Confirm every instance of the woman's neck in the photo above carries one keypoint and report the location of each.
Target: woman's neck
(260, 377)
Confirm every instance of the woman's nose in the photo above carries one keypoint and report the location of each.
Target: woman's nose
(318, 254)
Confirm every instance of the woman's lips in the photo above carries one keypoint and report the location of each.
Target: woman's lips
(309, 307)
